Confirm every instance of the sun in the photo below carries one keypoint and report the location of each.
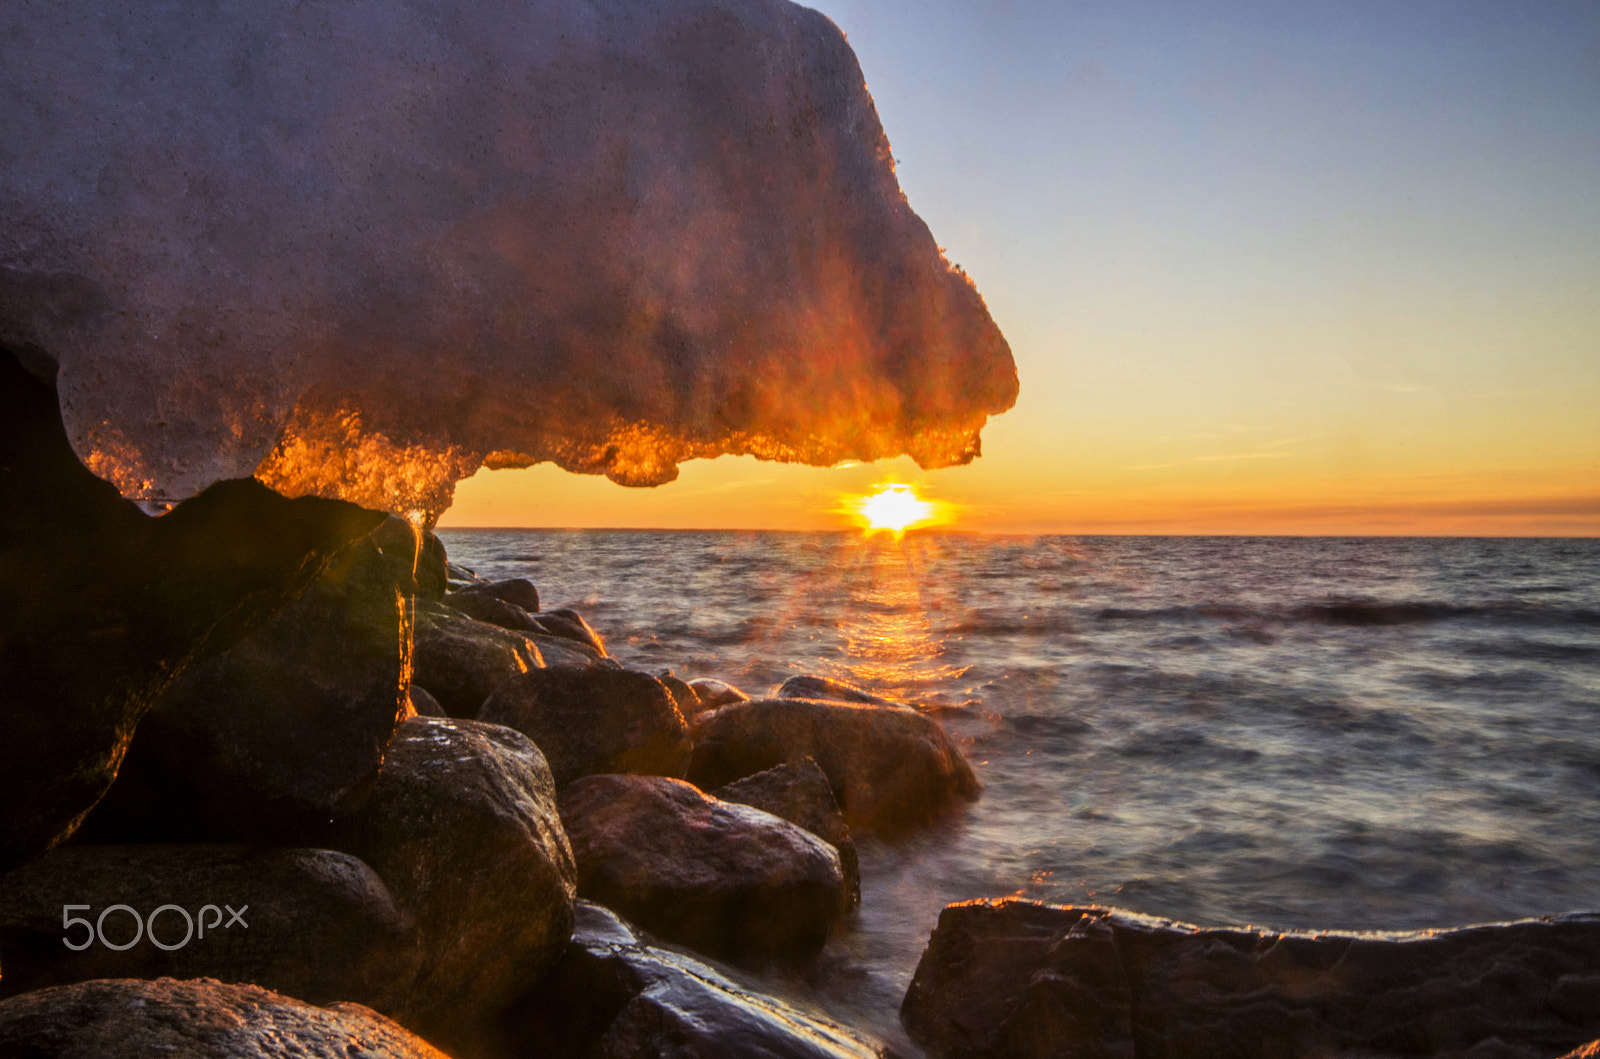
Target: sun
(894, 507)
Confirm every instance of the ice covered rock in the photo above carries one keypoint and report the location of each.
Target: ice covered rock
(359, 249)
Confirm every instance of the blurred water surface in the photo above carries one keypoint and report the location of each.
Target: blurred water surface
(1293, 732)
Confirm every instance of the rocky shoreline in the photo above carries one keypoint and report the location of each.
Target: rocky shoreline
(511, 848)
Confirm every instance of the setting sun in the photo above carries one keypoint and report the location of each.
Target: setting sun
(894, 507)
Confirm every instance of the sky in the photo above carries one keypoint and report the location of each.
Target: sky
(1264, 267)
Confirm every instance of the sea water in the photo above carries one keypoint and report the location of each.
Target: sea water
(1354, 733)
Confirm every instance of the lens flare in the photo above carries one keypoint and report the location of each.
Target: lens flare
(895, 507)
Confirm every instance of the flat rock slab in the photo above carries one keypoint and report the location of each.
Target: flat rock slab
(613, 995)
(312, 923)
(1017, 979)
(892, 769)
(200, 1019)
(724, 879)
(588, 720)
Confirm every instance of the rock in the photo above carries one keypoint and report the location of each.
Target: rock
(564, 651)
(1016, 979)
(423, 704)
(804, 687)
(104, 605)
(715, 693)
(568, 623)
(589, 720)
(312, 923)
(517, 591)
(614, 996)
(438, 259)
(1587, 1051)
(799, 793)
(415, 556)
(261, 742)
(486, 608)
(724, 879)
(460, 576)
(891, 768)
(461, 661)
(201, 1019)
(683, 696)
(461, 824)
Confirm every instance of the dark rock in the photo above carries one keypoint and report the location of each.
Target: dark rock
(518, 591)
(721, 878)
(314, 924)
(201, 1019)
(460, 576)
(486, 608)
(563, 651)
(104, 605)
(589, 720)
(1587, 1051)
(568, 623)
(799, 793)
(1017, 979)
(715, 693)
(461, 661)
(614, 996)
(461, 825)
(423, 704)
(804, 687)
(891, 768)
(415, 557)
(683, 696)
(262, 741)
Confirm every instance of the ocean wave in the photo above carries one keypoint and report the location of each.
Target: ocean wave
(1363, 612)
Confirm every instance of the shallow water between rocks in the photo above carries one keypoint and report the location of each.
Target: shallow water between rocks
(1352, 733)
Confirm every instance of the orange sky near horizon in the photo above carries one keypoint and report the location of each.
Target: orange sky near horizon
(1264, 270)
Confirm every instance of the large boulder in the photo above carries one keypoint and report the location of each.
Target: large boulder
(201, 1019)
(461, 824)
(798, 792)
(892, 769)
(724, 879)
(105, 605)
(1017, 979)
(461, 661)
(415, 556)
(588, 720)
(615, 996)
(262, 742)
(311, 923)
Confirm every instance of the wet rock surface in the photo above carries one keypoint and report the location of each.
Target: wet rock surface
(592, 720)
(104, 605)
(713, 693)
(830, 690)
(312, 923)
(569, 624)
(199, 1019)
(724, 879)
(519, 592)
(261, 742)
(891, 768)
(415, 557)
(1016, 979)
(799, 793)
(461, 661)
(614, 995)
(462, 826)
